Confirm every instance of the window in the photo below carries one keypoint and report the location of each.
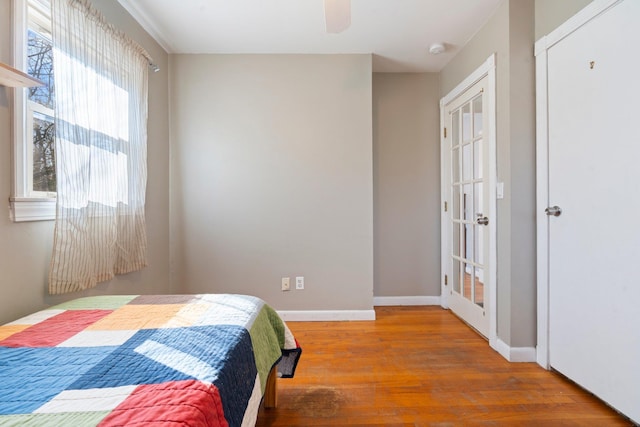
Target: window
(34, 180)
(92, 121)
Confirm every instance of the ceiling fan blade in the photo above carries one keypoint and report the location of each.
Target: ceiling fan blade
(337, 14)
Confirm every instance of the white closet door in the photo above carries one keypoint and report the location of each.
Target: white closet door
(594, 178)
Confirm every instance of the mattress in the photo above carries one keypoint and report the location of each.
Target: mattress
(197, 360)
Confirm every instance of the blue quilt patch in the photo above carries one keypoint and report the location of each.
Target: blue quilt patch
(235, 382)
(30, 377)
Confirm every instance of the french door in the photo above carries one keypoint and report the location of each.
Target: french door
(468, 218)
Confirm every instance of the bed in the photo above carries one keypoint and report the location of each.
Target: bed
(197, 360)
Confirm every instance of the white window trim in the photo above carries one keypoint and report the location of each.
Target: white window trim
(32, 208)
(25, 205)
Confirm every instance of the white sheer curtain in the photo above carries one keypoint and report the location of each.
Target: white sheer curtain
(101, 80)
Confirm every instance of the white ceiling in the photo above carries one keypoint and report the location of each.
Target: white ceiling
(397, 32)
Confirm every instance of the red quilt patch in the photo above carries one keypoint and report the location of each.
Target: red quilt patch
(170, 402)
(55, 330)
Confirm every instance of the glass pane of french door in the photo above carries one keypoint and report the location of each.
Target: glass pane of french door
(467, 193)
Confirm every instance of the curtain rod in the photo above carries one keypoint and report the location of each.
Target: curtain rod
(90, 10)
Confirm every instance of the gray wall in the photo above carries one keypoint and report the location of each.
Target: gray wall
(272, 177)
(288, 201)
(25, 248)
(510, 34)
(406, 184)
(551, 13)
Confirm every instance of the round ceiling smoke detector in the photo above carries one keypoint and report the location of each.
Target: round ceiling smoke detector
(436, 48)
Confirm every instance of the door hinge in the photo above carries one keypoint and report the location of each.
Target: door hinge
(445, 132)
(445, 206)
(446, 280)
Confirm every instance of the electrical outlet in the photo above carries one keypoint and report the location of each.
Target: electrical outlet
(285, 284)
(299, 282)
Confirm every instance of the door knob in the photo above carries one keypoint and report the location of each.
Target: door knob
(483, 221)
(553, 211)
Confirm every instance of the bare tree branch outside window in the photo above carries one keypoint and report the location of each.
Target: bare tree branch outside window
(44, 159)
(40, 66)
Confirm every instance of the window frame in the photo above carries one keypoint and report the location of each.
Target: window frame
(25, 204)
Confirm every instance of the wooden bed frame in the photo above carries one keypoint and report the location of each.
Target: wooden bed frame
(271, 390)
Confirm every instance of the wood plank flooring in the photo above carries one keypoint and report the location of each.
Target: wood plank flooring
(421, 366)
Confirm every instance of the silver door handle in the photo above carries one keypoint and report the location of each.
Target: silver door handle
(483, 221)
(553, 211)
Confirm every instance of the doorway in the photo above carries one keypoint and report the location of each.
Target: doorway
(468, 173)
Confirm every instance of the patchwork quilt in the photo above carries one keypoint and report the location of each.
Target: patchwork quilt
(196, 360)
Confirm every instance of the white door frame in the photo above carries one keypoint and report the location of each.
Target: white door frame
(542, 165)
(487, 69)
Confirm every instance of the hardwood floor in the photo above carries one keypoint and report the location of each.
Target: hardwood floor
(421, 366)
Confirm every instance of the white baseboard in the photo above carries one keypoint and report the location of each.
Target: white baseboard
(416, 300)
(515, 354)
(326, 315)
